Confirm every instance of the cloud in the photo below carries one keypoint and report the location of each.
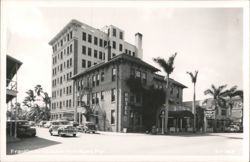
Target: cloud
(26, 22)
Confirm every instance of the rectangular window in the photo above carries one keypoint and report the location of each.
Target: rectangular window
(112, 117)
(144, 78)
(133, 53)
(97, 99)
(83, 63)
(70, 48)
(70, 35)
(138, 74)
(84, 50)
(93, 98)
(126, 51)
(100, 55)
(129, 52)
(114, 32)
(120, 47)
(95, 41)
(70, 62)
(102, 76)
(97, 79)
(113, 55)
(102, 97)
(93, 80)
(89, 64)
(95, 53)
(89, 38)
(69, 103)
(171, 90)
(113, 74)
(84, 36)
(89, 52)
(100, 42)
(114, 44)
(113, 95)
(121, 35)
(178, 93)
(105, 43)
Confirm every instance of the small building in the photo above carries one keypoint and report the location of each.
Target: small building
(12, 66)
(113, 94)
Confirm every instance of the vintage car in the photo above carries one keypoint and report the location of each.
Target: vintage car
(41, 124)
(62, 128)
(47, 124)
(23, 128)
(87, 127)
(232, 128)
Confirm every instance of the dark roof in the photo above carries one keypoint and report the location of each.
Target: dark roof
(161, 78)
(122, 56)
(12, 65)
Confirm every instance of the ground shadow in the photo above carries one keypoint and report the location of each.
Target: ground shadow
(28, 144)
(197, 135)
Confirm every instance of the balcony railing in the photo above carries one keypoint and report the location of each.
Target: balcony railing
(11, 85)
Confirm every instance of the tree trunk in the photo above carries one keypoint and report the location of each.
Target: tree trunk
(194, 111)
(166, 104)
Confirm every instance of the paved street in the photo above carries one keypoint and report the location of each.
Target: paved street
(107, 143)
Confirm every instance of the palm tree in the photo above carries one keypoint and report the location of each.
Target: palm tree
(38, 89)
(168, 67)
(219, 100)
(29, 100)
(194, 79)
(231, 93)
(47, 101)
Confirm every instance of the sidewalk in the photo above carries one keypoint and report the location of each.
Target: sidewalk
(11, 139)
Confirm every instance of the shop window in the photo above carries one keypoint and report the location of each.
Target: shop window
(112, 116)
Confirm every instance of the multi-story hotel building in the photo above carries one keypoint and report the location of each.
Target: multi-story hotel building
(104, 90)
(78, 47)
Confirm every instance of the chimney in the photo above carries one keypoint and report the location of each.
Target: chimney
(138, 44)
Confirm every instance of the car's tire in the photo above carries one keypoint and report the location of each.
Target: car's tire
(74, 135)
(51, 133)
(60, 134)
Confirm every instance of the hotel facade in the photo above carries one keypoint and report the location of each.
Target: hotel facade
(90, 71)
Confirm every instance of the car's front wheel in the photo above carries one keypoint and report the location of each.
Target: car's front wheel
(74, 135)
(60, 133)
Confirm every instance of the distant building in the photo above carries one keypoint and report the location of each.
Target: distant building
(78, 47)
(223, 115)
(103, 89)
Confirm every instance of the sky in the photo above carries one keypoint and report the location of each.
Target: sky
(206, 39)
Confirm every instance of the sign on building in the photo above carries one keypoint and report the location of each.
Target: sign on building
(210, 114)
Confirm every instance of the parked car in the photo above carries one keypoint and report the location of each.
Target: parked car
(87, 127)
(62, 128)
(41, 124)
(232, 128)
(32, 123)
(81, 128)
(23, 128)
(47, 124)
(90, 127)
(74, 124)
